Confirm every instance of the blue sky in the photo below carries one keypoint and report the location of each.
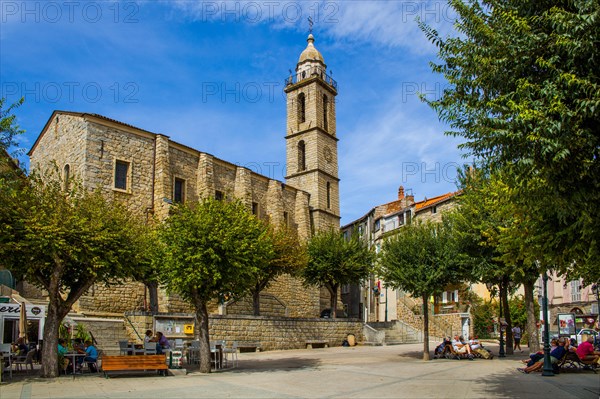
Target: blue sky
(210, 75)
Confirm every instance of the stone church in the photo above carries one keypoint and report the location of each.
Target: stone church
(148, 172)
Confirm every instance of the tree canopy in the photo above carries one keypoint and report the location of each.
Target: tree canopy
(8, 127)
(333, 261)
(524, 94)
(287, 256)
(422, 260)
(213, 248)
(64, 241)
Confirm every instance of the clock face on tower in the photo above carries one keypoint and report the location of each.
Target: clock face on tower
(328, 154)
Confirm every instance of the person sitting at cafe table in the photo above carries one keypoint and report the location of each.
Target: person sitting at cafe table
(62, 351)
(161, 343)
(20, 348)
(91, 353)
(148, 337)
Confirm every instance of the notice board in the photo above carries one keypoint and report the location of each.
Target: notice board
(174, 326)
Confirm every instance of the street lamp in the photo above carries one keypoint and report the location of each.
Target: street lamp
(501, 352)
(547, 371)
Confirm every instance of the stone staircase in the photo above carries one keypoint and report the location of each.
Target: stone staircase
(107, 332)
(396, 333)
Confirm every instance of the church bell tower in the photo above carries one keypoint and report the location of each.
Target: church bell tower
(311, 142)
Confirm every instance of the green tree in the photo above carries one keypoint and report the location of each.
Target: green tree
(489, 232)
(212, 248)
(288, 256)
(8, 127)
(524, 93)
(64, 242)
(334, 261)
(421, 260)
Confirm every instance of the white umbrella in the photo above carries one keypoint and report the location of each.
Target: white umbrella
(23, 322)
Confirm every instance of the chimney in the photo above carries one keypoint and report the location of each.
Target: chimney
(401, 193)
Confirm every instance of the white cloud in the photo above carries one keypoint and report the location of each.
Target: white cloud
(386, 23)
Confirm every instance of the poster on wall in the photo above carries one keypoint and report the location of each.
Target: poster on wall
(566, 324)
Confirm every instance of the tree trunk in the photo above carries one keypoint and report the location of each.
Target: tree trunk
(256, 301)
(56, 314)
(504, 298)
(533, 341)
(201, 334)
(333, 300)
(425, 329)
(153, 294)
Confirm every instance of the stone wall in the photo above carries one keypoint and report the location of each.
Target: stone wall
(91, 145)
(272, 333)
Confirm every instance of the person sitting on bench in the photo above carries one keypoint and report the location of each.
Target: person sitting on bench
(555, 357)
(459, 345)
(586, 352)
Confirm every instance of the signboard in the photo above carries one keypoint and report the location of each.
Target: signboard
(174, 326)
(14, 309)
(566, 324)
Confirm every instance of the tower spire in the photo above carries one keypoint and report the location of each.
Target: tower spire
(310, 25)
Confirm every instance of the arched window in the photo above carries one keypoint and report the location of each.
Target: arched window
(328, 195)
(301, 156)
(325, 106)
(301, 108)
(66, 176)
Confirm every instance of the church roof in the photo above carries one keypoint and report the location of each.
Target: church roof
(311, 53)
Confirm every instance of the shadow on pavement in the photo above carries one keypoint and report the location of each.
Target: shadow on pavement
(286, 364)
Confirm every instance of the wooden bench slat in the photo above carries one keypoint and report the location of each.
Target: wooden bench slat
(134, 363)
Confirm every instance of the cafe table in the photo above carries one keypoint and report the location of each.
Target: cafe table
(74, 356)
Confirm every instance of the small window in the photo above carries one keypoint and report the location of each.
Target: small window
(219, 195)
(66, 176)
(434, 209)
(121, 174)
(325, 106)
(301, 156)
(286, 218)
(575, 291)
(179, 190)
(377, 225)
(255, 208)
(301, 108)
(328, 195)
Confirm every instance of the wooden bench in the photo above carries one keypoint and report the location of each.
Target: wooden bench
(570, 361)
(248, 346)
(134, 363)
(316, 343)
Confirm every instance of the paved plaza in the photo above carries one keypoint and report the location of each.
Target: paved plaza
(357, 372)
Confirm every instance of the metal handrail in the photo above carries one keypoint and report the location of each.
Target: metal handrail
(132, 326)
(314, 71)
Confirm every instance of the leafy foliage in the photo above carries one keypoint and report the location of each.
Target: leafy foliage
(64, 242)
(8, 127)
(422, 259)
(288, 256)
(334, 261)
(524, 93)
(212, 248)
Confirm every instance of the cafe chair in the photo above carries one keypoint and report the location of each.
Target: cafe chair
(6, 358)
(150, 348)
(25, 360)
(194, 353)
(233, 351)
(216, 354)
(124, 347)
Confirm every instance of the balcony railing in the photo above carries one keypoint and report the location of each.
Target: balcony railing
(314, 71)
